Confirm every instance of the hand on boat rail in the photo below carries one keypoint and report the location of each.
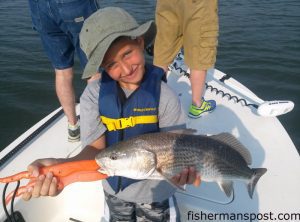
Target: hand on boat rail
(66, 173)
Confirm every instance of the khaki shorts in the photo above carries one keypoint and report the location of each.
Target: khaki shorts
(191, 24)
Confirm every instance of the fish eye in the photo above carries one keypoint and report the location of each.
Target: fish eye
(113, 156)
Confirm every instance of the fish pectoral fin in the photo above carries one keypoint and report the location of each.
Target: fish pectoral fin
(226, 186)
(150, 173)
(169, 180)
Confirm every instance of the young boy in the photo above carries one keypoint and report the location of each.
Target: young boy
(193, 25)
(130, 99)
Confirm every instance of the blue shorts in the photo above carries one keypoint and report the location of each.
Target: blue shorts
(58, 23)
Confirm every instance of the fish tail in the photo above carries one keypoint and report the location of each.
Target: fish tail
(257, 173)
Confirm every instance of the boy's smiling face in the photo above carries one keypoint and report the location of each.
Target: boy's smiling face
(124, 61)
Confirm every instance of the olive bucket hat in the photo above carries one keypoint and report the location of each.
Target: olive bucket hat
(102, 28)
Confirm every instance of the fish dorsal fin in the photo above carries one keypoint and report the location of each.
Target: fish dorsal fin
(188, 131)
(233, 142)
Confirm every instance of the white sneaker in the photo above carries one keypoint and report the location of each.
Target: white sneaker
(74, 132)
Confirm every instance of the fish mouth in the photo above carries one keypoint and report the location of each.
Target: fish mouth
(104, 171)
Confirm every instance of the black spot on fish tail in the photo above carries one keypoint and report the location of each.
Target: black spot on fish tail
(257, 173)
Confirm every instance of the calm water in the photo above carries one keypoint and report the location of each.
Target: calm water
(259, 45)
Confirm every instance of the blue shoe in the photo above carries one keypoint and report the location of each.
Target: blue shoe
(206, 106)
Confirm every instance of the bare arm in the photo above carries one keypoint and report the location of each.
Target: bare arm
(90, 151)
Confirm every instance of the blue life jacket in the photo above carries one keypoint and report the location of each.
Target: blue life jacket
(141, 104)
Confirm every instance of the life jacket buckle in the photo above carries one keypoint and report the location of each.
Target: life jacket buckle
(126, 122)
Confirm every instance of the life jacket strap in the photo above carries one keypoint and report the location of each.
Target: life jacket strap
(122, 123)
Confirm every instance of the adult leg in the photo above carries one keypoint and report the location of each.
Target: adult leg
(197, 78)
(200, 42)
(168, 40)
(52, 29)
(65, 93)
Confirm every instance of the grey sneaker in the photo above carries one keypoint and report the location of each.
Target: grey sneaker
(74, 132)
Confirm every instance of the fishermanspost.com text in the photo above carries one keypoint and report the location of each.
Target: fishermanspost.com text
(242, 217)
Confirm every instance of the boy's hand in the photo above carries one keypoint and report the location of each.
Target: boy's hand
(187, 176)
(45, 185)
